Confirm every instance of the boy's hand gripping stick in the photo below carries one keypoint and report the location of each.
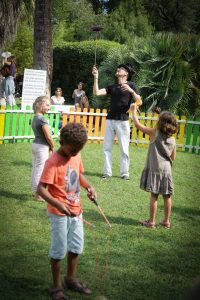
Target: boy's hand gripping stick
(93, 199)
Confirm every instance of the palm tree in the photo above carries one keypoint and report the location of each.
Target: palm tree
(169, 73)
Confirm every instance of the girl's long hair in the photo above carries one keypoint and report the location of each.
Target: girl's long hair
(167, 123)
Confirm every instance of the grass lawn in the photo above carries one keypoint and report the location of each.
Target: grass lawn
(129, 262)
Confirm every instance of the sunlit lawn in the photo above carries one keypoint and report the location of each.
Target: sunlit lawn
(127, 262)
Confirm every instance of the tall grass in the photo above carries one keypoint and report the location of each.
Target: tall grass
(127, 262)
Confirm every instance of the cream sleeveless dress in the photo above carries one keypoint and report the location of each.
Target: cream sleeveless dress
(157, 174)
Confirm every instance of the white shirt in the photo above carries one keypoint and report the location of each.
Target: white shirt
(57, 101)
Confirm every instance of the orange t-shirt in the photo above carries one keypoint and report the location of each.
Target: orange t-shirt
(62, 178)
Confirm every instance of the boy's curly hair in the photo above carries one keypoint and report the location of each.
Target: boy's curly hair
(74, 134)
(167, 124)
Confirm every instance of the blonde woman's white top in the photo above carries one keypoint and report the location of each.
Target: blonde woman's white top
(57, 101)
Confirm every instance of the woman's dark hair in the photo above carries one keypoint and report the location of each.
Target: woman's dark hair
(84, 103)
(74, 134)
(167, 123)
(58, 88)
(81, 84)
(12, 59)
(6, 71)
(156, 110)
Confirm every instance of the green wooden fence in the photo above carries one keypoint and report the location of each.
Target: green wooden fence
(15, 126)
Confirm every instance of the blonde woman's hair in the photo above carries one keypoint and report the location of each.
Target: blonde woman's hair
(39, 101)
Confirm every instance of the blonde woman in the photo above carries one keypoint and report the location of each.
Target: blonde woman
(78, 94)
(43, 142)
(57, 99)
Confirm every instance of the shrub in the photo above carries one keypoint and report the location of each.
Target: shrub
(73, 63)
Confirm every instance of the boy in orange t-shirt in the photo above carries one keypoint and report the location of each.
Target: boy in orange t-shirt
(60, 186)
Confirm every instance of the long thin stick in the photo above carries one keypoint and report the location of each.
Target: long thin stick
(99, 208)
(101, 211)
(86, 222)
(95, 53)
(96, 29)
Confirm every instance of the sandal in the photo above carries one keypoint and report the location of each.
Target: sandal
(148, 224)
(76, 286)
(57, 294)
(167, 225)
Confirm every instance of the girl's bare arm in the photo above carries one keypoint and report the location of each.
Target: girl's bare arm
(48, 136)
(173, 155)
(138, 125)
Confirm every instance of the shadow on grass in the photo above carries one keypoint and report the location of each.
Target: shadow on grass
(95, 216)
(20, 288)
(93, 174)
(7, 194)
(185, 211)
(99, 175)
(22, 163)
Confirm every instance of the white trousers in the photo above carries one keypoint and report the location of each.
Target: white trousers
(10, 100)
(122, 130)
(40, 153)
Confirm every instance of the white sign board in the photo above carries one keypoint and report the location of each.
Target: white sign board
(34, 85)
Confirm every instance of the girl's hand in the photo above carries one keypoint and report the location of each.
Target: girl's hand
(133, 107)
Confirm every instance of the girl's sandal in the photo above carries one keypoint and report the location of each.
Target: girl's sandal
(148, 224)
(57, 294)
(167, 225)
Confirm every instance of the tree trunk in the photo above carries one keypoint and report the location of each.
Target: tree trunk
(9, 14)
(43, 53)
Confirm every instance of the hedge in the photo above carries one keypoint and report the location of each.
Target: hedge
(73, 63)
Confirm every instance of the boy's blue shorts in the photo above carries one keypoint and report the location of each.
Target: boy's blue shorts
(66, 235)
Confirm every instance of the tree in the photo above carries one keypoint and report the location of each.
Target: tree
(72, 21)
(169, 74)
(10, 13)
(22, 47)
(111, 5)
(97, 5)
(167, 71)
(127, 21)
(174, 15)
(43, 53)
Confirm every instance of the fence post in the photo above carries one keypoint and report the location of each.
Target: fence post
(2, 122)
(21, 117)
(188, 136)
(181, 132)
(195, 136)
(90, 124)
(27, 123)
(85, 117)
(7, 125)
(140, 133)
(96, 126)
(148, 124)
